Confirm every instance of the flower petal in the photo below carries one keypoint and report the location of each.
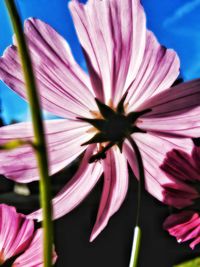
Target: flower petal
(113, 46)
(114, 190)
(16, 232)
(33, 256)
(158, 71)
(181, 166)
(76, 189)
(64, 88)
(184, 226)
(178, 107)
(196, 157)
(64, 139)
(153, 150)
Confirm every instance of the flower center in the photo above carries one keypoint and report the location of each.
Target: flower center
(114, 127)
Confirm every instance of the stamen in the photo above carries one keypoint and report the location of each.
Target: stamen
(96, 114)
(92, 130)
(110, 104)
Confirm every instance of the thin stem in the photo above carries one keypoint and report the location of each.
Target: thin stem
(141, 182)
(136, 247)
(38, 129)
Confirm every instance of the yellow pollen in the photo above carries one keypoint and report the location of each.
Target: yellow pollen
(1, 258)
(111, 105)
(126, 106)
(96, 114)
(92, 130)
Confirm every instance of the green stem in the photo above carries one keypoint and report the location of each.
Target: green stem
(38, 128)
(141, 182)
(136, 247)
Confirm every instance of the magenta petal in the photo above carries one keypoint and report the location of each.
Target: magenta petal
(64, 140)
(195, 242)
(64, 88)
(105, 36)
(178, 107)
(184, 226)
(33, 256)
(181, 166)
(114, 190)
(153, 150)
(76, 189)
(196, 157)
(16, 232)
(158, 71)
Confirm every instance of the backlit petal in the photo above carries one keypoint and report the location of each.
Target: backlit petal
(16, 232)
(181, 166)
(114, 190)
(113, 46)
(175, 112)
(64, 88)
(33, 256)
(64, 139)
(153, 150)
(158, 71)
(184, 226)
(76, 189)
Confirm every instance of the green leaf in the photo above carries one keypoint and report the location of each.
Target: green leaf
(14, 144)
(191, 263)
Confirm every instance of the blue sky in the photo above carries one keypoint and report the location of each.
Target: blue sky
(175, 23)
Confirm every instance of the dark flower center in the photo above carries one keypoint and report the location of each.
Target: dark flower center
(114, 127)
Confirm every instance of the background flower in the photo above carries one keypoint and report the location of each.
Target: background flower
(185, 226)
(184, 167)
(17, 236)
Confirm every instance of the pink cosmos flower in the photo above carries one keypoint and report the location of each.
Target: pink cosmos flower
(183, 167)
(17, 236)
(125, 94)
(184, 226)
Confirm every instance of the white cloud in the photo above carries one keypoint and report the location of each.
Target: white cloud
(182, 11)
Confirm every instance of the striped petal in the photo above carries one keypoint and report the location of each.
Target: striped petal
(113, 46)
(33, 256)
(114, 190)
(158, 71)
(16, 232)
(184, 226)
(181, 166)
(153, 150)
(175, 112)
(76, 189)
(64, 88)
(64, 139)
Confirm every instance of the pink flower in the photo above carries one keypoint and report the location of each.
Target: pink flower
(125, 93)
(184, 226)
(17, 236)
(182, 168)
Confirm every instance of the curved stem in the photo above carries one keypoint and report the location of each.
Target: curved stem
(141, 182)
(38, 129)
